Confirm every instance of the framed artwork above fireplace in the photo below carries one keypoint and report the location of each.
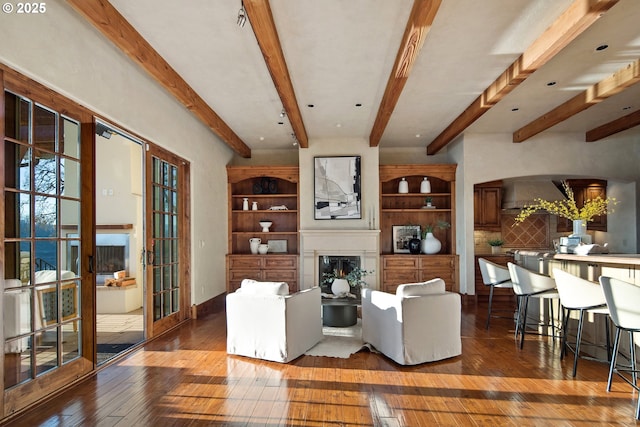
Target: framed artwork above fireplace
(337, 191)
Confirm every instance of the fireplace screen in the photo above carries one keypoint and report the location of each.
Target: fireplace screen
(340, 264)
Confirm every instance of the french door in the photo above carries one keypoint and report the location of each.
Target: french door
(167, 240)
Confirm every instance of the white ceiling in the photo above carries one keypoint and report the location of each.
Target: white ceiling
(340, 53)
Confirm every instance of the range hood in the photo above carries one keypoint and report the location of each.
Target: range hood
(517, 194)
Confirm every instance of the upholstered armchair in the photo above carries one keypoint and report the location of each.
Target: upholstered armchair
(420, 323)
(265, 322)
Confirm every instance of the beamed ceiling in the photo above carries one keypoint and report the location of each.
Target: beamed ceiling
(398, 73)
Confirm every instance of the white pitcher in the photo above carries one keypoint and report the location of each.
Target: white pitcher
(254, 243)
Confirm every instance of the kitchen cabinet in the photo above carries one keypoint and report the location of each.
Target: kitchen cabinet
(398, 209)
(487, 206)
(274, 189)
(583, 190)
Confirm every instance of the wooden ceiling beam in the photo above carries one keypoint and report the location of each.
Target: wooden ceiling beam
(612, 85)
(623, 123)
(574, 21)
(102, 15)
(264, 28)
(418, 25)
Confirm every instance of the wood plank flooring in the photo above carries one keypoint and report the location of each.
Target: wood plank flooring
(185, 378)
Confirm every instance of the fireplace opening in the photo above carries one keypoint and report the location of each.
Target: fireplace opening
(339, 263)
(112, 254)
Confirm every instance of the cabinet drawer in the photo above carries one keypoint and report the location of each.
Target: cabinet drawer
(280, 262)
(245, 262)
(398, 277)
(239, 275)
(280, 275)
(400, 262)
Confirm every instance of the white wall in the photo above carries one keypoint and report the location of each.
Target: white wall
(488, 157)
(65, 53)
(369, 179)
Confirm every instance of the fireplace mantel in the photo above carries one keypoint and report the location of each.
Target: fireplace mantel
(315, 243)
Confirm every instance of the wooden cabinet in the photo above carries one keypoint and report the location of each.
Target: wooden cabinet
(274, 189)
(270, 268)
(487, 204)
(583, 190)
(399, 269)
(397, 209)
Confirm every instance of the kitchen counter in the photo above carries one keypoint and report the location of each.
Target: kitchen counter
(622, 259)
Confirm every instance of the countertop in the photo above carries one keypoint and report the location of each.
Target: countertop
(626, 259)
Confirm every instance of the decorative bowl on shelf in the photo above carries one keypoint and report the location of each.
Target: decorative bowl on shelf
(265, 226)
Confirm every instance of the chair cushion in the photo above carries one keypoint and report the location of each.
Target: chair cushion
(263, 288)
(433, 286)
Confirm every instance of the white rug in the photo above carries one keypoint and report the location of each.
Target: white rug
(339, 342)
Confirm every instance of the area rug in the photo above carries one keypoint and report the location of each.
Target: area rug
(339, 342)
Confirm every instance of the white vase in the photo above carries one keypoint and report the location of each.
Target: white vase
(579, 228)
(496, 249)
(245, 204)
(403, 186)
(254, 244)
(425, 185)
(430, 244)
(340, 287)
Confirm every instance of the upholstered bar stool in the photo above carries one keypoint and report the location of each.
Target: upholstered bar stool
(526, 285)
(587, 297)
(494, 276)
(624, 309)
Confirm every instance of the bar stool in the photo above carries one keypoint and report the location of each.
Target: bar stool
(579, 294)
(494, 276)
(622, 299)
(526, 285)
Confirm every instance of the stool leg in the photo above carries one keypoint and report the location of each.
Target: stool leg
(519, 303)
(614, 356)
(577, 347)
(565, 321)
(524, 320)
(490, 302)
(632, 353)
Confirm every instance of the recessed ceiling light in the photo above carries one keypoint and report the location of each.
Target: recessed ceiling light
(551, 83)
(628, 107)
(310, 105)
(338, 125)
(418, 135)
(358, 105)
(262, 138)
(280, 123)
(602, 47)
(515, 109)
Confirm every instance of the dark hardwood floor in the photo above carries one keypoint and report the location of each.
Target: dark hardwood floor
(185, 378)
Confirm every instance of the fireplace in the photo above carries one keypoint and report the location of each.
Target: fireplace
(335, 245)
(340, 263)
(112, 254)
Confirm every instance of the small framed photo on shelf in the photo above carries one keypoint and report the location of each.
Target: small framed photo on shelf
(277, 246)
(402, 234)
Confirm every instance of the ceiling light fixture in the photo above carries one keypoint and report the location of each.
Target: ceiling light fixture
(282, 114)
(242, 15)
(602, 47)
(552, 83)
(515, 109)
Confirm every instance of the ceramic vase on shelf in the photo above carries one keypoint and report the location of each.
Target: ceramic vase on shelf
(245, 204)
(254, 206)
(403, 186)
(414, 246)
(430, 244)
(425, 185)
(254, 243)
(340, 287)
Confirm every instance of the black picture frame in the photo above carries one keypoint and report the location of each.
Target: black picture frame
(337, 188)
(402, 234)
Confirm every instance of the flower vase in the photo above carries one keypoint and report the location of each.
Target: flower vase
(340, 287)
(579, 228)
(430, 244)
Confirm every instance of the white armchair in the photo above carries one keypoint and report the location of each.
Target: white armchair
(265, 322)
(420, 323)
